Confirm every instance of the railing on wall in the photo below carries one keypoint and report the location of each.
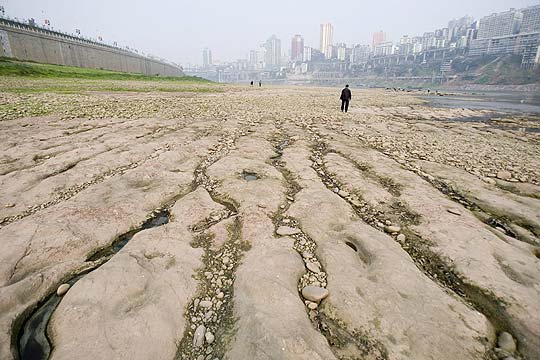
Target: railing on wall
(18, 24)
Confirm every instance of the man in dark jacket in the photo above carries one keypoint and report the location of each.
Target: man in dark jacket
(345, 98)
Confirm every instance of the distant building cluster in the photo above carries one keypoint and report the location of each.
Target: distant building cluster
(516, 31)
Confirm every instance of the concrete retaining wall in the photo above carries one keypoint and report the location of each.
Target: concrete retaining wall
(26, 42)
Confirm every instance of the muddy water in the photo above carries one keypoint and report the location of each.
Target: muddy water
(33, 342)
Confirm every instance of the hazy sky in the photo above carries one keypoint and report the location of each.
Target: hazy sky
(178, 30)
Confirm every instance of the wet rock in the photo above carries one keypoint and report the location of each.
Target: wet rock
(287, 231)
(62, 289)
(314, 293)
(198, 337)
(506, 342)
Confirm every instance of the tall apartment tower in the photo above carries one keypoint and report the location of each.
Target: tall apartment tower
(207, 57)
(297, 48)
(501, 24)
(273, 51)
(531, 19)
(378, 38)
(327, 39)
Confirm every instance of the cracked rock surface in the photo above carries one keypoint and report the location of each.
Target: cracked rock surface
(292, 231)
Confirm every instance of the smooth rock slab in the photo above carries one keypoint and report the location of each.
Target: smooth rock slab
(314, 293)
(287, 231)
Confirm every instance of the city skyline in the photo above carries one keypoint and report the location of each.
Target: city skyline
(230, 30)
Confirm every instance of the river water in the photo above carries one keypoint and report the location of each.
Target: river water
(524, 103)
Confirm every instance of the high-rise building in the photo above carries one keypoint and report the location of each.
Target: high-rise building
(378, 38)
(531, 19)
(458, 28)
(327, 39)
(501, 24)
(384, 49)
(297, 48)
(273, 51)
(207, 57)
(341, 52)
(253, 57)
(360, 54)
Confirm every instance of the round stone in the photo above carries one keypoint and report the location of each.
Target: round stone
(205, 304)
(209, 337)
(392, 229)
(62, 289)
(506, 342)
(504, 175)
(286, 231)
(314, 293)
(198, 337)
(401, 237)
(314, 267)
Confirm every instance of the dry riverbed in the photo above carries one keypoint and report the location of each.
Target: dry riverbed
(209, 222)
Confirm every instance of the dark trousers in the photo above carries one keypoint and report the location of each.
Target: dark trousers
(345, 105)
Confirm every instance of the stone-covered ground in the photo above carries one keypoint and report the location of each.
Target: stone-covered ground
(214, 222)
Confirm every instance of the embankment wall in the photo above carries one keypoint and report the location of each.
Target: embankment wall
(24, 42)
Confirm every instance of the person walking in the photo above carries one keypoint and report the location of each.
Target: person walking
(345, 98)
(260, 83)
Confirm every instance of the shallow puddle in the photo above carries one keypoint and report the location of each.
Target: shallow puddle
(33, 341)
(250, 176)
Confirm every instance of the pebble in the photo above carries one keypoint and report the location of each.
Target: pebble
(392, 229)
(209, 337)
(356, 203)
(10, 205)
(62, 289)
(454, 211)
(198, 337)
(506, 342)
(314, 293)
(205, 304)
(401, 238)
(286, 231)
(312, 305)
(314, 267)
(504, 175)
